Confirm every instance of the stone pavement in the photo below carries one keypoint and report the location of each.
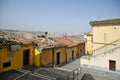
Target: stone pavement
(72, 65)
(96, 74)
(59, 73)
(101, 75)
(10, 75)
(35, 74)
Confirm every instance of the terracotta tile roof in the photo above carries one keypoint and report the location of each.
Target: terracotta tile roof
(7, 39)
(77, 39)
(41, 43)
(89, 33)
(71, 36)
(36, 41)
(65, 41)
(1, 33)
(21, 39)
(4, 42)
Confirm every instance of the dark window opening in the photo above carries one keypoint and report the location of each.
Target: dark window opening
(26, 57)
(58, 58)
(112, 65)
(6, 64)
(72, 54)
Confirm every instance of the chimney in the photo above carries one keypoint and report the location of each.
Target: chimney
(46, 37)
(65, 36)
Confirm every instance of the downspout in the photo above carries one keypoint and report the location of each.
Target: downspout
(0, 62)
(40, 57)
(53, 63)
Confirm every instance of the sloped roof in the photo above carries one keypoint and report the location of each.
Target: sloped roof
(4, 42)
(115, 21)
(89, 33)
(71, 36)
(77, 39)
(41, 43)
(8, 39)
(65, 41)
(21, 39)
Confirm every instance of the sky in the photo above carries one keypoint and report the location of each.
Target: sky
(58, 16)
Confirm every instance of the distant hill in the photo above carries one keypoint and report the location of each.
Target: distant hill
(24, 33)
(34, 34)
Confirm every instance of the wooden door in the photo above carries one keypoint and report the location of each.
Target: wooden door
(73, 55)
(26, 57)
(112, 65)
(58, 58)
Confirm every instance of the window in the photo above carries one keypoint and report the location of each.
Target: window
(114, 27)
(72, 54)
(6, 64)
(105, 37)
(91, 39)
(112, 65)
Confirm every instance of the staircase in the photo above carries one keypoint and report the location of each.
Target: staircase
(101, 57)
(108, 48)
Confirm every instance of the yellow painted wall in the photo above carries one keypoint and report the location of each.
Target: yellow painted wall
(46, 56)
(69, 53)
(37, 58)
(80, 47)
(62, 51)
(63, 56)
(32, 51)
(89, 44)
(17, 61)
(105, 34)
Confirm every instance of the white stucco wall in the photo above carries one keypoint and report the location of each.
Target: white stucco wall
(103, 60)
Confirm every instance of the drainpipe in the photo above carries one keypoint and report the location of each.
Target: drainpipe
(0, 63)
(40, 57)
(53, 57)
(53, 50)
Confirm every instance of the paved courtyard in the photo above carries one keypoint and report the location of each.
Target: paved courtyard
(38, 74)
(72, 66)
(96, 74)
(10, 75)
(59, 73)
(101, 75)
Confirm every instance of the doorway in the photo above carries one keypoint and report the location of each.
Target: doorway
(81, 52)
(72, 54)
(112, 65)
(58, 58)
(26, 57)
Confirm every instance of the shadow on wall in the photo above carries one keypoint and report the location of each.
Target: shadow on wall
(87, 77)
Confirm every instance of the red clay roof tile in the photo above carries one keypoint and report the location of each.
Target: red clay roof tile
(66, 42)
(21, 39)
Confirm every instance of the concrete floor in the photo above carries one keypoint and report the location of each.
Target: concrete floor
(72, 65)
(96, 74)
(39, 74)
(10, 75)
(57, 74)
(101, 75)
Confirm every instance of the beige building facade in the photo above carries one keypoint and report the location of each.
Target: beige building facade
(106, 45)
(89, 44)
(105, 32)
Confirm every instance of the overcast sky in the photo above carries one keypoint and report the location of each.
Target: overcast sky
(60, 16)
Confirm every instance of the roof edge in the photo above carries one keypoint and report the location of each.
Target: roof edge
(115, 21)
